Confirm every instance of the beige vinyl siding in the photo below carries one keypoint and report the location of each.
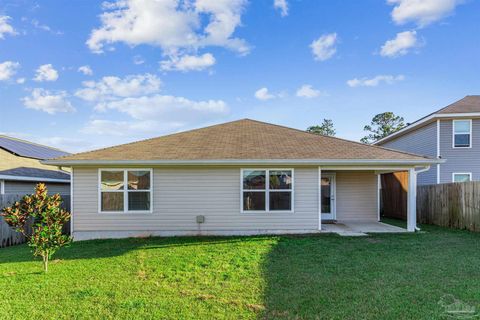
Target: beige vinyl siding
(26, 187)
(356, 195)
(180, 194)
(11, 161)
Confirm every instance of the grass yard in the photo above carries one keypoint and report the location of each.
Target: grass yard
(388, 276)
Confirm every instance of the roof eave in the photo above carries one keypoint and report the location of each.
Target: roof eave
(425, 121)
(226, 162)
(33, 179)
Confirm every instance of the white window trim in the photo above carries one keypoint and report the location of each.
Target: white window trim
(453, 133)
(267, 191)
(125, 191)
(2, 186)
(461, 173)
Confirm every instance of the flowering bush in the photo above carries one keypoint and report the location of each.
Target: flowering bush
(48, 217)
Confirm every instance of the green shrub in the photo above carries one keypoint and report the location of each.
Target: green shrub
(46, 236)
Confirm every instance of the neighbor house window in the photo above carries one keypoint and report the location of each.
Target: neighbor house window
(268, 190)
(462, 133)
(125, 190)
(462, 177)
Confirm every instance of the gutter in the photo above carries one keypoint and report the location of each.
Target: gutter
(423, 170)
(24, 178)
(223, 162)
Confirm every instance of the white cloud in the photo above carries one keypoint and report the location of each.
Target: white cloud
(132, 130)
(324, 47)
(375, 81)
(46, 72)
(281, 5)
(119, 128)
(8, 69)
(138, 97)
(21, 80)
(46, 101)
(166, 108)
(86, 70)
(66, 144)
(40, 26)
(5, 27)
(307, 91)
(422, 12)
(399, 46)
(138, 60)
(156, 113)
(188, 63)
(172, 25)
(111, 87)
(263, 94)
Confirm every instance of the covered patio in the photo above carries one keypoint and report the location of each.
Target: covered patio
(350, 198)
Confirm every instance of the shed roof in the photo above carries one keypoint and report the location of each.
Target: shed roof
(34, 174)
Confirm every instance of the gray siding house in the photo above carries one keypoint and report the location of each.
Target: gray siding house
(242, 177)
(452, 134)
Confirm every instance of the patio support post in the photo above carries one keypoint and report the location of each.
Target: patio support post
(379, 194)
(319, 198)
(412, 200)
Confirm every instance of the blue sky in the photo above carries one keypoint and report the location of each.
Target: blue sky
(155, 67)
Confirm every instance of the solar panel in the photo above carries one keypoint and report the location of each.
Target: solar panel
(25, 149)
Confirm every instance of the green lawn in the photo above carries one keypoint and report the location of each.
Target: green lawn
(388, 276)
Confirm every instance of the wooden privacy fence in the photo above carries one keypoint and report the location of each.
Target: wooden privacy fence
(9, 237)
(393, 199)
(453, 205)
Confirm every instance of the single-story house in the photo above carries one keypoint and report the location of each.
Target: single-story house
(237, 178)
(21, 168)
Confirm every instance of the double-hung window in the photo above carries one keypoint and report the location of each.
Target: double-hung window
(125, 190)
(461, 177)
(462, 133)
(267, 190)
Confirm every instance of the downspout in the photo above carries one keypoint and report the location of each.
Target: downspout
(438, 150)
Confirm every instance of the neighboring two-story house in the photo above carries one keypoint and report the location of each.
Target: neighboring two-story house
(451, 133)
(21, 169)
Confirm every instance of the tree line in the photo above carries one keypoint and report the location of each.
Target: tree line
(382, 125)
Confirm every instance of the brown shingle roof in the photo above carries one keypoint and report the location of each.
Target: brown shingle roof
(243, 140)
(466, 105)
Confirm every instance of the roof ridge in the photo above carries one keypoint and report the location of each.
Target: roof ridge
(449, 105)
(30, 142)
(342, 139)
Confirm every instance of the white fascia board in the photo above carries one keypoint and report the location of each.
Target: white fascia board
(315, 162)
(23, 178)
(426, 120)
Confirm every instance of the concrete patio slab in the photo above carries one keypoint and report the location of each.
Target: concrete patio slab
(353, 228)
